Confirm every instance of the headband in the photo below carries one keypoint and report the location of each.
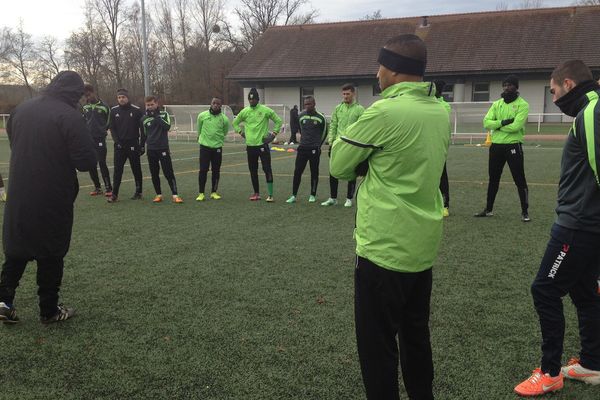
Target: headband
(401, 64)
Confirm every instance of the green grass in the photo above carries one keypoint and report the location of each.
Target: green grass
(237, 300)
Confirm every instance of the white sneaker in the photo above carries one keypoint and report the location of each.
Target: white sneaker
(348, 203)
(285, 144)
(329, 202)
(575, 371)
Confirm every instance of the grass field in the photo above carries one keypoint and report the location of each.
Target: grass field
(237, 300)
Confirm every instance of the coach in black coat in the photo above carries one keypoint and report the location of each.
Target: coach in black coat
(49, 141)
(294, 124)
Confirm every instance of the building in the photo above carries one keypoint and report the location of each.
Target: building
(471, 52)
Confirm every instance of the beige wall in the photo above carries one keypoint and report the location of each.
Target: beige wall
(328, 96)
(287, 96)
(531, 90)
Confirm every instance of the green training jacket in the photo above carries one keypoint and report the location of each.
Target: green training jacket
(343, 116)
(212, 129)
(256, 123)
(404, 139)
(511, 133)
(447, 106)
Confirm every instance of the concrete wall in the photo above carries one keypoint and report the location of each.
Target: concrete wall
(286, 95)
(327, 96)
(533, 93)
(531, 90)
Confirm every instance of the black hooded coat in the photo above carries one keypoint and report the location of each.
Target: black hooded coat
(49, 140)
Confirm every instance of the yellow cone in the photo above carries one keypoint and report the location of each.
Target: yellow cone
(488, 140)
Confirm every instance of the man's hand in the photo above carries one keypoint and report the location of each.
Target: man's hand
(142, 150)
(151, 113)
(269, 138)
(507, 121)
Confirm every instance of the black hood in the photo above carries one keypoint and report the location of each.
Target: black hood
(575, 100)
(66, 86)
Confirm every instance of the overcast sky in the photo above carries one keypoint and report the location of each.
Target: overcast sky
(60, 17)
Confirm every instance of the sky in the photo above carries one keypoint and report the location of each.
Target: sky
(61, 17)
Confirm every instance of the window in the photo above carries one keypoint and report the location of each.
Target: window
(481, 91)
(376, 90)
(305, 91)
(448, 93)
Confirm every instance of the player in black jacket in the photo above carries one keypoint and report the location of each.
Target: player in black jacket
(96, 115)
(126, 130)
(313, 131)
(156, 125)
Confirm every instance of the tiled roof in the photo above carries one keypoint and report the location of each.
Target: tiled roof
(516, 40)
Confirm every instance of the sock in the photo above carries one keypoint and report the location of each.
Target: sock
(270, 188)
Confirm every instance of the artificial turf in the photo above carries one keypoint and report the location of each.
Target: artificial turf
(233, 299)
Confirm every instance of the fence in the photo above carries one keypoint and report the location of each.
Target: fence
(467, 122)
(3, 119)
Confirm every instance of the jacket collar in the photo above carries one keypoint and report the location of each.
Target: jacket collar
(426, 89)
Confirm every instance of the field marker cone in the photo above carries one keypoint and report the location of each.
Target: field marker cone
(488, 140)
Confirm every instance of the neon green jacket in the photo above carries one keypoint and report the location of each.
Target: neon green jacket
(448, 109)
(404, 138)
(343, 116)
(256, 123)
(212, 129)
(511, 133)
(447, 106)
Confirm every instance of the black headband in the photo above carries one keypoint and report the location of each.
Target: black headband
(401, 64)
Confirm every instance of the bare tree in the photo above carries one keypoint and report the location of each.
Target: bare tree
(111, 13)
(48, 63)
(4, 43)
(375, 15)
(86, 49)
(165, 26)
(133, 74)
(587, 3)
(292, 15)
(256, 16)
(502, 6)
(171, 52)
(207, 14)
(229, 36)
(531, 4)
(20, 55)
(183, 22)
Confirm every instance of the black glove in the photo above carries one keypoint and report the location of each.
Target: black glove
(362, 168)
(151, 113)
(269, 138)
(118, 145)
(507, 121)
(142, 150)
